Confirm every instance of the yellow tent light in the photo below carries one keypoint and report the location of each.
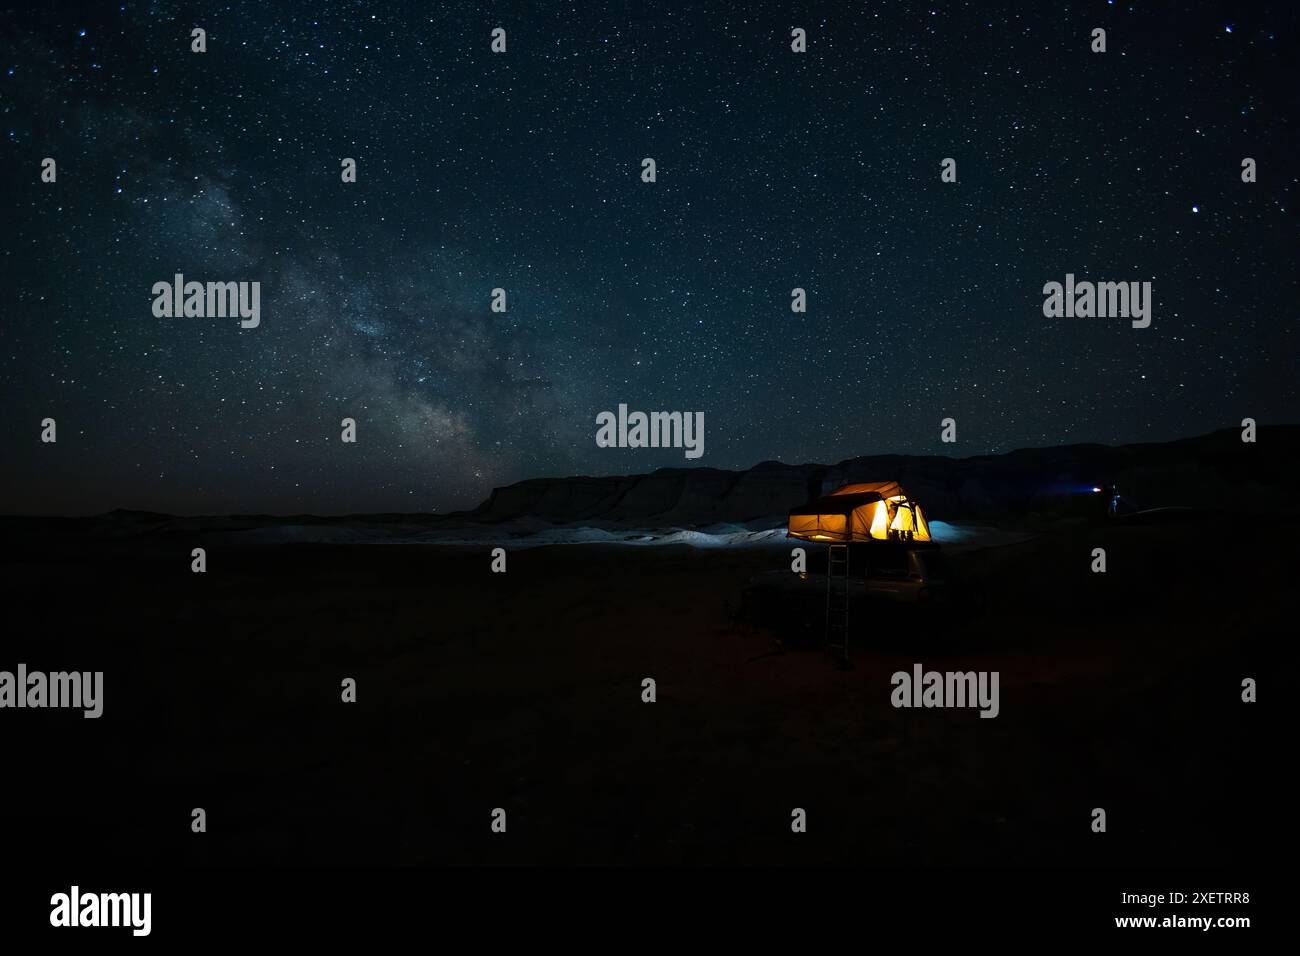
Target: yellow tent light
(878, 510)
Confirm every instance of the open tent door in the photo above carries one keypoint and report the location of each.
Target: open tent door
(922, 526)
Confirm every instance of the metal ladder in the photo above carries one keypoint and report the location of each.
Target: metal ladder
(837, 602)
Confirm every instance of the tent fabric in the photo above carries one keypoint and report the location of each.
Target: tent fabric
(860, 512)
(885, 489)
(835, 504)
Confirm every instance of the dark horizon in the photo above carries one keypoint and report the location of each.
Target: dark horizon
(1265, 427)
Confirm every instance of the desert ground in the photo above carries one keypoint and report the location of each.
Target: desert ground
(522, 690)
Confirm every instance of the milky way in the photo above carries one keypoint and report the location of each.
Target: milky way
(521, 170)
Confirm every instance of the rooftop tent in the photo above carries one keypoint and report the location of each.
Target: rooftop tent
(878, 510)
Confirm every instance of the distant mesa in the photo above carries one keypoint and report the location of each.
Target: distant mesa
(1210, 473)
(1215, 472)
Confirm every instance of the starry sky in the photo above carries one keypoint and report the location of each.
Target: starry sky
(522, 170)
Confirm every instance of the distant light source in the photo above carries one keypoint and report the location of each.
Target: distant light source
(1096, 490)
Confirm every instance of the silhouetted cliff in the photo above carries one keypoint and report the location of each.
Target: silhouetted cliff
(1217, 470)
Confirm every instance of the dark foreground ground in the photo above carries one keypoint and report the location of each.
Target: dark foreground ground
(523, 691)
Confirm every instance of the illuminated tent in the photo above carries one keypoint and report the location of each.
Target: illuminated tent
(879, 510)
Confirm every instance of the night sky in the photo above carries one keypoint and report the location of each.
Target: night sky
(522, 170)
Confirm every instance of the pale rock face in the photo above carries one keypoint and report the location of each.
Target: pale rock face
(981, 487)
